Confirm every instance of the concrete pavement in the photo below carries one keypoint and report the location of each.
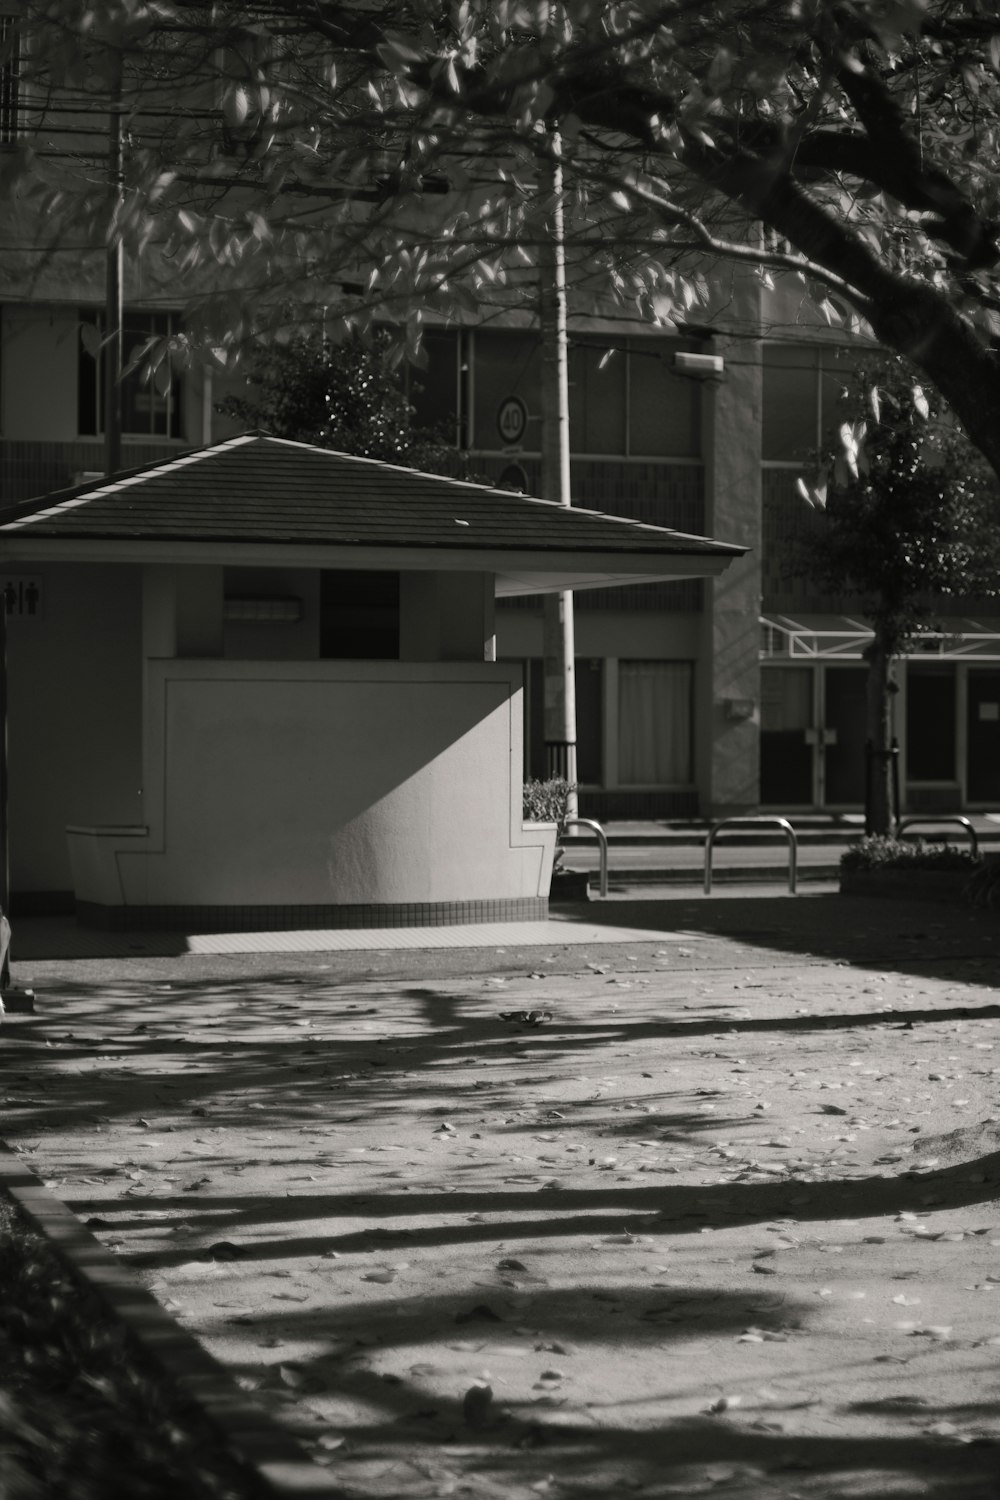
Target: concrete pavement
(635, 1215)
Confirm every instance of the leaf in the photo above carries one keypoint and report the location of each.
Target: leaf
(481, 1313)
(90, 338)
(724, 1403)
(398, 51)
(382, 1277)
(224, 1250)
(476, 1405)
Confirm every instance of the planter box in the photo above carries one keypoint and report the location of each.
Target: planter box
(569, 885)
(906, 885)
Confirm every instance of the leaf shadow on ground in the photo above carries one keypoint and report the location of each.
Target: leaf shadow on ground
(538, 1212)
(915, 938)
(344, 1362)
(226, 1059)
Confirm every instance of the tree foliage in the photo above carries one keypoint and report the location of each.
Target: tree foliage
(384, 158)
(916, 523)
(913, 526)
(341, 395)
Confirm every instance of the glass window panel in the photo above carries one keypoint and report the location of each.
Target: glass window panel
(654, 722)
(597, 376)
(664, 408)
(838, 366)
(790, 401)
(589, 721)
(505, 364)
(786, 698)
(10, 80)
(149, 406)
(930, 724)
(359, 615)
(433, 391)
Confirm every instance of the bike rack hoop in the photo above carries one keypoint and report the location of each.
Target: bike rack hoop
(964, 823)
(763, 822)
(602, 839)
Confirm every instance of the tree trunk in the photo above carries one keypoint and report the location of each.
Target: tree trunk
(879, 780)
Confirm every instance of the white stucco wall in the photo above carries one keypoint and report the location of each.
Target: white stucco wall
(75, 715)
(325, 783)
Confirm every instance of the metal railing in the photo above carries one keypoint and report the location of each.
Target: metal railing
(904, 823)
(782, 823)
(602, 839)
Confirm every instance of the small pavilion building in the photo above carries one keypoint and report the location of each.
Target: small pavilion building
(255, 686)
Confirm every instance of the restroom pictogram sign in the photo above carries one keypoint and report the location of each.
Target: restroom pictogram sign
(23, 596)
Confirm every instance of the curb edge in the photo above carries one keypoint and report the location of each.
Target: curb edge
(274, 1461)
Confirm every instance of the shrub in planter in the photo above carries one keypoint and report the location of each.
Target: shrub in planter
(547, 802)
(876, 852)
(879, 866)
(983, 888)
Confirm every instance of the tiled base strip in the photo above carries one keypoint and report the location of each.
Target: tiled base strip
(279, 1469)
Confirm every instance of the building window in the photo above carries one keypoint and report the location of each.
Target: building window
(359, 615)
(655, 722)
(10, 80)
(589, 720)
(435, 392)
(151, 405)
(803, 388)
(930, 723)
(626, 400)
(505, 364)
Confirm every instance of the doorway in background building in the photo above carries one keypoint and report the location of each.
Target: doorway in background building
(812, 740)
(982, 726)
(787, 773)
(846, 736)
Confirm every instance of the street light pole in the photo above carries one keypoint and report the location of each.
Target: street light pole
(558, 636)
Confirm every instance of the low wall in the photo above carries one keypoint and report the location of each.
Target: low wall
(323, 791)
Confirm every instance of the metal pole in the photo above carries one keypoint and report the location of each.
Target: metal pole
(559, 636)
(4, 797)
(895, 782)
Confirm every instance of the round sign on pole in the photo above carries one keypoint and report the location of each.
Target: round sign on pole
(512, 419)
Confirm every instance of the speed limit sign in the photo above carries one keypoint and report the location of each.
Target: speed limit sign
(512, 419)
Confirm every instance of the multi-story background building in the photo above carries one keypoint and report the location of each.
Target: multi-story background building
(693, 698)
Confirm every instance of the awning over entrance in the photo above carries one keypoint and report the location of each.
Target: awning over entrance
(844, 638)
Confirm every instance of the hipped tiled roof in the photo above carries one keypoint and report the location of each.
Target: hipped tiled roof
(257, 488)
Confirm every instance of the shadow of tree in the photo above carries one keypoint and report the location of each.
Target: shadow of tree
(656, 1443)
(295, 1052)
(913, 937)
(541, 1212)
(243, 1058)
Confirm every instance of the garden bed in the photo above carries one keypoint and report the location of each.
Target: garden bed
(911, 871)
(908, 885)
(81, 1415)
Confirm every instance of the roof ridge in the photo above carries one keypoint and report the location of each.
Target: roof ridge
(94, 489)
